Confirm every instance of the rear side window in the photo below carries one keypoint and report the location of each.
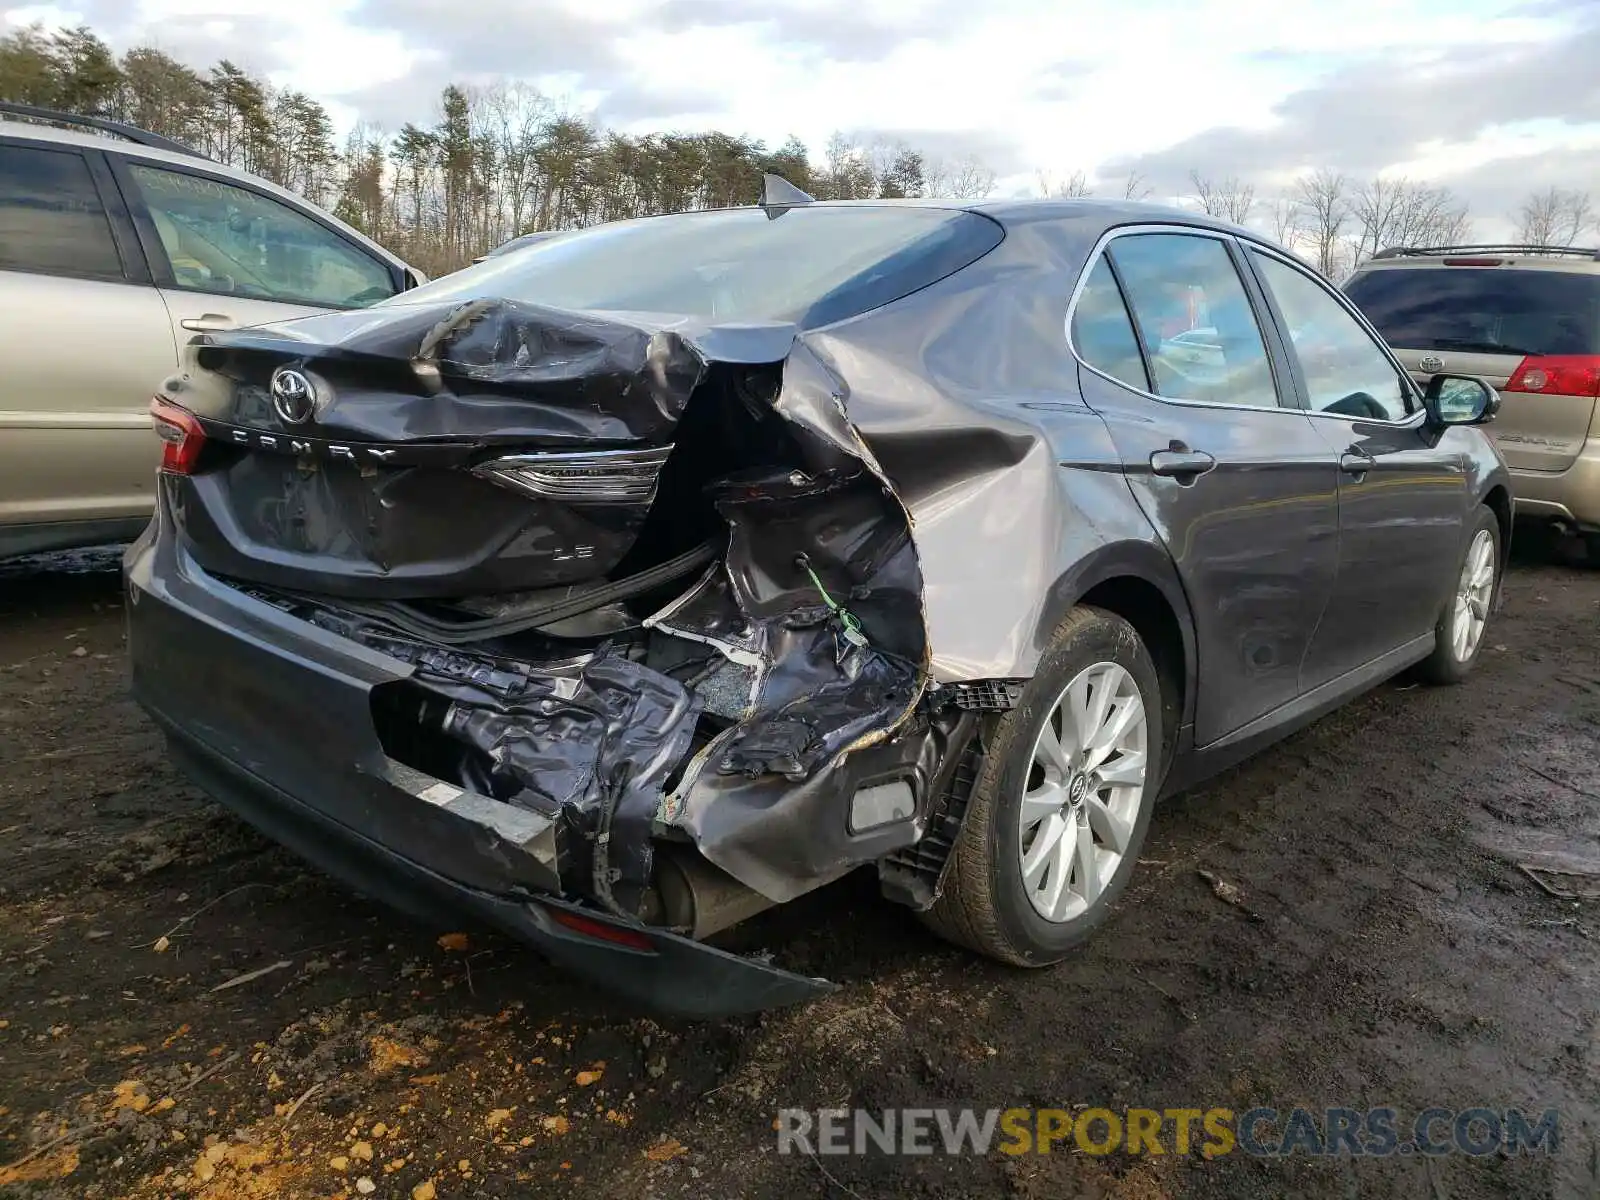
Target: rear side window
(1195, 319)
(1102, 331)
(810, 265)
(229, 240)
(51, 219)
(1485, 310)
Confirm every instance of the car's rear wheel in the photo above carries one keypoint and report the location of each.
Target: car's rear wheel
(1459, 635)
(1060, 810)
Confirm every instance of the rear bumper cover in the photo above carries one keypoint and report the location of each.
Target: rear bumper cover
(272, 717)
(1572, 495)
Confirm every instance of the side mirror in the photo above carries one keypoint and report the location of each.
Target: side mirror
(1460, 400)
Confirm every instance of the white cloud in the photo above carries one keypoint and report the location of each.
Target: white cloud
(1058, 85)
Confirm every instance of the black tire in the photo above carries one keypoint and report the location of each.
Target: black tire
(1444, 666)
(984, 904)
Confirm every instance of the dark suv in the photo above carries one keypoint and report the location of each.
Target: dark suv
(623, 586)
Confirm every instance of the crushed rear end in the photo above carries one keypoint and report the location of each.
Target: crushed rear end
(606, 627)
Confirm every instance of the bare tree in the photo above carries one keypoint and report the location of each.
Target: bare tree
(1398, 212)
(963, 179)
(1134, 187)
(511, 118)
(1230, 199)
(1581, 216)
(849, 173)
(1325, 203)
(1286, 221)
(1556, 217)
(1072, 187)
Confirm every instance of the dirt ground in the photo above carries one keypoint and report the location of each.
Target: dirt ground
(1378, 945)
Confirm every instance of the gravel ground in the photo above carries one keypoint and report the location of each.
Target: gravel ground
(186, 1010)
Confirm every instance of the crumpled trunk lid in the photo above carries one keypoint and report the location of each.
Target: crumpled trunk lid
(440, 450)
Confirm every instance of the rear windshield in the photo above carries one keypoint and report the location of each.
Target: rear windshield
(812, 266)
(1492, 310)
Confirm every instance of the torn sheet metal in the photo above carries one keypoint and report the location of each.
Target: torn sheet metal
(588, 743)
(949, 395)
(756, 797)
(891, 506)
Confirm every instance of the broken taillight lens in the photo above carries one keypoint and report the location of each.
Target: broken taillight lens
(590, 477)
(181, 436)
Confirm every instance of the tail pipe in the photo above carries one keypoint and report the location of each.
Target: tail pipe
(693, 896)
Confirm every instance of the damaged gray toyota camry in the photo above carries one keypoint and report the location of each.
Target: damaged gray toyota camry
(627, 584)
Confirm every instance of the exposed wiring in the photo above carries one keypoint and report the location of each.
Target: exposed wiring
(847, 619)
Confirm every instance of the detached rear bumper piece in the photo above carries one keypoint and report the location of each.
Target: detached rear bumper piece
(273, 718)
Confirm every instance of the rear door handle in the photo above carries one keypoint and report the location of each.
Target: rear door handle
(1356, 462)
(1184, 465)
(208, 322)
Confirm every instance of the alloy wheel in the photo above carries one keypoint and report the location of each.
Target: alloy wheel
(1473, 595)
(1083, 791)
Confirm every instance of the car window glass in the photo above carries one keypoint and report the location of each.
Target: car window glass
(812, 264)
(1194, 316)
(1482, 310)
(1346, 372)
(50, 215)
(1102, 331)
(233, 241)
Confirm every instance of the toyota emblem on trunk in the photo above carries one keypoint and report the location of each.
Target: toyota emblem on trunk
(293, 396)
(1430, 362)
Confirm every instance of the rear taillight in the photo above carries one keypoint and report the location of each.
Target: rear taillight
(1557, 375)
(182, 439)
(588, 477)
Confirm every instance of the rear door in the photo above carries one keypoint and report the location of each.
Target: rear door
(1229, 471)
(87, 339)
(1403, 498)
(226, 255)
(1532, 331)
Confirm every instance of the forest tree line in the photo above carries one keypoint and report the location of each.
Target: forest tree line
(502, 160)
(497, 161)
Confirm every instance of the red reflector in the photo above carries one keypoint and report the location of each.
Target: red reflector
(601, 931)
(1557, 375)
(1473, 262)
(182, 439)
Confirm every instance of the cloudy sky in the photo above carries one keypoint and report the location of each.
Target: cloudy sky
(1492, 97)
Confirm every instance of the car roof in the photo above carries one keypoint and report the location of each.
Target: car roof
(1019, 209)
(59, 136)
(1089, 211)
(1023, 210)
(42, 132)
